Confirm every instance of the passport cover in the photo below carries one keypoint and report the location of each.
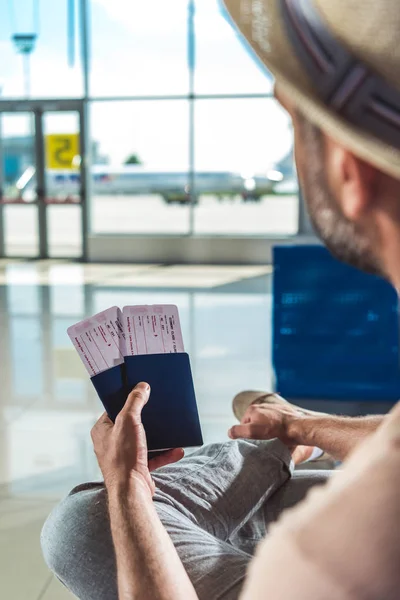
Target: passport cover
(170, 418)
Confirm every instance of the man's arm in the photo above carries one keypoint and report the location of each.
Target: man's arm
(148, 565)
(294, 426)
(338, 436)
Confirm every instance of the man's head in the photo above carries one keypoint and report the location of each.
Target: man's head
(337, 67)
(354, 207)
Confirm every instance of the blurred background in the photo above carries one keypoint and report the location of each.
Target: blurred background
(144, 159)
(174, 117)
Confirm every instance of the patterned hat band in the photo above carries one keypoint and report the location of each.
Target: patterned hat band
(341, 81)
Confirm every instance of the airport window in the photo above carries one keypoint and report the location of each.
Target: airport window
(139, 48)
(52, 67)
(185, 137)
(223, 62)
(149, 194)
(245, 143)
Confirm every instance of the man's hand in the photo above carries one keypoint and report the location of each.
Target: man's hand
(121, 448)
(268, 421)
(148, 565)
(295, 426)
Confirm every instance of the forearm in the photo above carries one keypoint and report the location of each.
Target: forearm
(335, 435)
(148, 565)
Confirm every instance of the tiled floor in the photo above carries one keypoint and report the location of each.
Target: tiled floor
(47, 404)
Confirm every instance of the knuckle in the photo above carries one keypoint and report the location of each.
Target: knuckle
(131, 420)
(126, 420)
(137, 395)
(120, 418)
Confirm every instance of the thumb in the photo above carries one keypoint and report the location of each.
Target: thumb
(137, 399)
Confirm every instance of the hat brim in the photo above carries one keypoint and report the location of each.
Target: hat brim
(264, 29)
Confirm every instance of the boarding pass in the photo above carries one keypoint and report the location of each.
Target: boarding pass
(102, 341)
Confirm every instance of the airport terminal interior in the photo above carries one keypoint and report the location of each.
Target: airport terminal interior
(143, 161)
(48, 403)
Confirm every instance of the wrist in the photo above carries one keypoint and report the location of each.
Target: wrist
(301, 429)
(127, 490)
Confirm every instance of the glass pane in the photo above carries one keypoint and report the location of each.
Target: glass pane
(61, 131)
(139, 48)
(48, 71)
(224, 62)
(149, 194)
(21, 230)
(64, 231)
(17, 148)
(243, 150)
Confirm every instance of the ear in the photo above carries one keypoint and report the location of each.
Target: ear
(352, 180)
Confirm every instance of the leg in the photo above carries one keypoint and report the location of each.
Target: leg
(294, 491)
(203, 501)
(221, 486)
(290, 494)
(77, 546)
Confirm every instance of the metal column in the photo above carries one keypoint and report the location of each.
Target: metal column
(85, 193)
(85, 143)
(2, 239)
(41, 185)
(191, 68)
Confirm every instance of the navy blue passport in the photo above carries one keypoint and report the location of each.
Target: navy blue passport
(170, 417)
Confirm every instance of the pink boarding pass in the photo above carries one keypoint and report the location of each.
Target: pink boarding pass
(100, 340)
(152, 329)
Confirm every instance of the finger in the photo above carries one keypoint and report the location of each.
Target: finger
(250, 431)
(137, 399)
(102, 422)
(250, 414)
(167, 458)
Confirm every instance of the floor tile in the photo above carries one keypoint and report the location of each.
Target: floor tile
(46, 453)
(57, 591)
(23, 573)
(193, 276)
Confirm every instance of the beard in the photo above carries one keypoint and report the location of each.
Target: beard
(342, 237)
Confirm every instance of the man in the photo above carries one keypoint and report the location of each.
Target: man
(191, 531)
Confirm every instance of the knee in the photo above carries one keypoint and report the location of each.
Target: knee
(77, 545)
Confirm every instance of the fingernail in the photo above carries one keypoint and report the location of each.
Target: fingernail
(230, 434)
(143, 386)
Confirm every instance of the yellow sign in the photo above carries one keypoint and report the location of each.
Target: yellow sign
(62, 151)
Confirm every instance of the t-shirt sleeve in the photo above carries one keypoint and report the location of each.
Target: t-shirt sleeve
(343, 541)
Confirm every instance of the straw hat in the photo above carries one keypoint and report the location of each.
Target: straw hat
(339, 61)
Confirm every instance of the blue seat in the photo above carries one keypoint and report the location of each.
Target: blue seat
(335, 329)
